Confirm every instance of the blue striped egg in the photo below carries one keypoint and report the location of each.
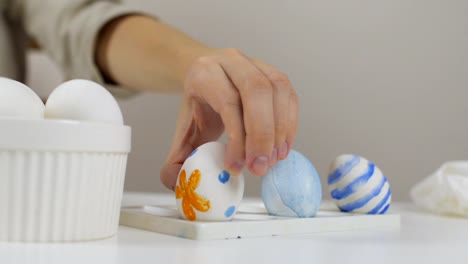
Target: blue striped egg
(292, 187)
(358, 186)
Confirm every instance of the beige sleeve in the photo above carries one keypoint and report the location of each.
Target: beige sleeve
(67, 31)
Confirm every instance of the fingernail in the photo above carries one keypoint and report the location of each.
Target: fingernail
(274, 156)
(260, 164)
(284, 150)
(236, 167)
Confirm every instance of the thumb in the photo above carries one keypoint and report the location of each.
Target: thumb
(181, 147)
(171, 168)
(169, 175)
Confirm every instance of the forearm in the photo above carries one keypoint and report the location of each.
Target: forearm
(141, 53)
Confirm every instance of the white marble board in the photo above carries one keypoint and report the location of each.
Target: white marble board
(251, 220)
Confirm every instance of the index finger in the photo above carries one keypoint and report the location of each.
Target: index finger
(256, 94)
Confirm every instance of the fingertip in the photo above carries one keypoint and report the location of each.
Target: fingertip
(235, 168)
(260, 165)
(169, 175)
(234, 160)
(260, 153)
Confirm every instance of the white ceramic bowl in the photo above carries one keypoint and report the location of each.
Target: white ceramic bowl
(61, 180)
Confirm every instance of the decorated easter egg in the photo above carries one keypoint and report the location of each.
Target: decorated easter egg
(205, 191)
(357, 185)
(292, 187)
(85, 101)
(19, 101)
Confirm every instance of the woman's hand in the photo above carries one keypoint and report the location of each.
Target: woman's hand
(252, 101)
(223, 90)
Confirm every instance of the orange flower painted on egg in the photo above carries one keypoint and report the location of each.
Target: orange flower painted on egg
(190, 199)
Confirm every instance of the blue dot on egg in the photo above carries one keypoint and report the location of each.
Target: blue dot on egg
(224, 177)
(230, 211)
(193, 153)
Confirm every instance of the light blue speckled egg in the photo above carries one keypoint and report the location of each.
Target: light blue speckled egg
(292, 188)
(358, 186)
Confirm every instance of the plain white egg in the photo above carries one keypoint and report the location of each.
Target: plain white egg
(19, 101)
(205, 191)
(83, 100)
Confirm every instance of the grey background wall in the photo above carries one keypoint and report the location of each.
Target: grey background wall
(384, 79)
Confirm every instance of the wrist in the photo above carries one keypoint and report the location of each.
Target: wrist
(142, 53)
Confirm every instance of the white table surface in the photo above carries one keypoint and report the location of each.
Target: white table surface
(423, 238)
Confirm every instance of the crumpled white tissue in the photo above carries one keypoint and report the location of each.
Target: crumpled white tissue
(445, 191)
